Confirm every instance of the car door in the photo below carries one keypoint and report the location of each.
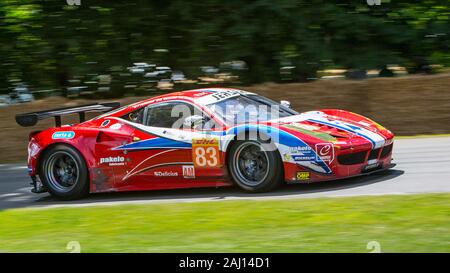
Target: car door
(163, 157)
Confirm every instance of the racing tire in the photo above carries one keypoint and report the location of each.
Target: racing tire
(252, 168)
(64, 173)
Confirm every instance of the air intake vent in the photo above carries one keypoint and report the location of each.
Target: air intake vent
(374, 154)
(386, 151)
(350, 159)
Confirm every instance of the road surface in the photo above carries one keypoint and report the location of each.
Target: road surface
(423, 166)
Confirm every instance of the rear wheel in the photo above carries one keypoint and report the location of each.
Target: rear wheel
(64, 172)
(253, 168)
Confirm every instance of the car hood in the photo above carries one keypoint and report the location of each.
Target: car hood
(334, 126)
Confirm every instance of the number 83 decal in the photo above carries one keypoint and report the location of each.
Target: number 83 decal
(206, 153)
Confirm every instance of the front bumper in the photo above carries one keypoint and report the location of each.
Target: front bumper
(346, 164)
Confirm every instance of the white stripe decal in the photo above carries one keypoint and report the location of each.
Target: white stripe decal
(374, 138)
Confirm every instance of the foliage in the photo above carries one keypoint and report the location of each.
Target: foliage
(48, 43)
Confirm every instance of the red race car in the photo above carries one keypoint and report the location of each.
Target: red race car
(200, 138)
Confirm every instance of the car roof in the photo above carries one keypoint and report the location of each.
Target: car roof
(199, 97)
(196, 94)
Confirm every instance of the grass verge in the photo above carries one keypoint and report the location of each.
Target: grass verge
(400, 223)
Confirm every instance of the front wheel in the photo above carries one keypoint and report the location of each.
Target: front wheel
(64, 173)
(253, 168)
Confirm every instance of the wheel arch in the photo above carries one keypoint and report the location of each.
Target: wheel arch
(238, 136)
(45, 150)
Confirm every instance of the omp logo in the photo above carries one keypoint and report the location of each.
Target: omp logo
(325, 151)
(111, 159)
(303, 175)
(63, 135)
(165, 173)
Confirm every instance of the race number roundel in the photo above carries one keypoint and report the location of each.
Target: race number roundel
(206, 153)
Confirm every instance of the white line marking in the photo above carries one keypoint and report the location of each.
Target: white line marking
(9, 195)
(213, 199)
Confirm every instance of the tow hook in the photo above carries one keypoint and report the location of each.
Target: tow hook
(37, 185)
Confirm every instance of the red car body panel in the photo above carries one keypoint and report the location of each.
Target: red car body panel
(112, 168)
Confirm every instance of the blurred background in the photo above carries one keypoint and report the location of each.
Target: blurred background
(119, 48)
(385, 59)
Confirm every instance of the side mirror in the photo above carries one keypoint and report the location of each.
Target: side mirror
(193, 121)
(285, 103)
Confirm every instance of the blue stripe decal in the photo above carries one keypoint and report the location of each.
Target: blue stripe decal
(155, 143)
(284, 138)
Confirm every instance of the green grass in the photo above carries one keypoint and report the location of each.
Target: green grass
(400, 223)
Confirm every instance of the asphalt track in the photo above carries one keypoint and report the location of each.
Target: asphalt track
(423, 166)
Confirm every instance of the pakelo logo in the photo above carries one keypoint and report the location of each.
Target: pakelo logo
(299, 149)
(165, 173)
(63, 135)
(325, 151)
(302, 153)
(188, 171)
(113, 160)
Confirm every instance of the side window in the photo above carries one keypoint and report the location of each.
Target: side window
(135, 116)
(177, 115)
(161, 115)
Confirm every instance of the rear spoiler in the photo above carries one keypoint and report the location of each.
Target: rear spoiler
(30, 119)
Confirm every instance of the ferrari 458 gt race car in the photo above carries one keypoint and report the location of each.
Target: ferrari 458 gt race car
(200, 138)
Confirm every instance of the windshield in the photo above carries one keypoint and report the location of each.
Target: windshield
(249, 108)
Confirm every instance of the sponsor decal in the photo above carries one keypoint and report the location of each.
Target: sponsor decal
(370, 167)
(224, 94)
(303, 158)
(299, 149)
(116, 126)
(165, 174)
(325, 151)
(303, 176)
(113, 160)
(206, 153)
(302, 153)
(63, 135)
(188, 171)
(218, 96)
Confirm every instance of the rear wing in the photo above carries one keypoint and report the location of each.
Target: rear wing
(30, 119)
